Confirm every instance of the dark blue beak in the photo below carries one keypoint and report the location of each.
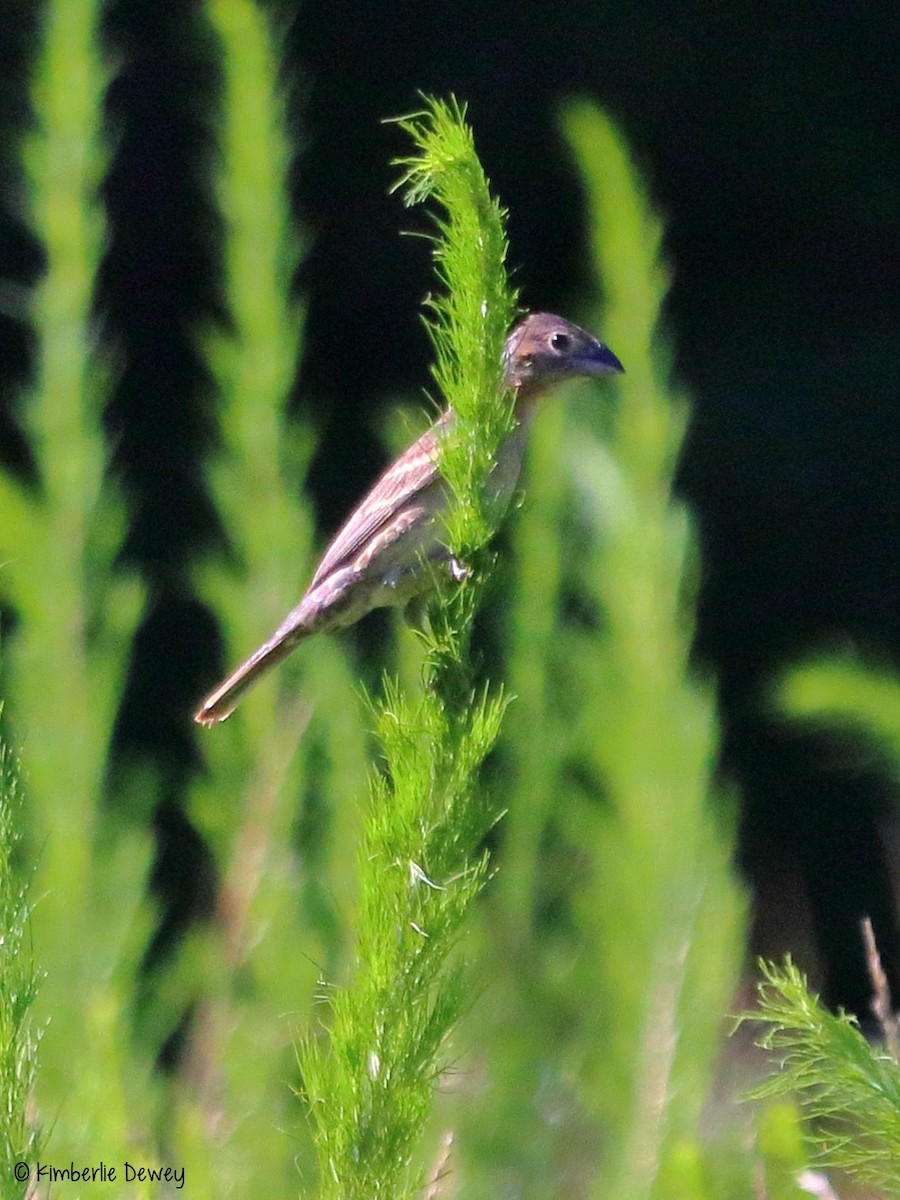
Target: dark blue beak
(599, 360)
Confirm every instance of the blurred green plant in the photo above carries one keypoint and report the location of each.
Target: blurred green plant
(612, 937)
(77, 613)
(782, 1151)
(284, 869)
(666, 907)
(847, 694)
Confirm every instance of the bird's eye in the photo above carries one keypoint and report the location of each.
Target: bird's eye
(560, 342)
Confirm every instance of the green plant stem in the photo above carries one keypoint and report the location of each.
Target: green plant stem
(370, 1087)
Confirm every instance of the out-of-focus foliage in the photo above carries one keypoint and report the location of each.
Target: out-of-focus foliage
(600, 964)
(612, 938)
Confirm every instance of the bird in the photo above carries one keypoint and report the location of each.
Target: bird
(387, 551)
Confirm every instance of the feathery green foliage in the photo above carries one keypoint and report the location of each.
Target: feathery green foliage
(77, 614)
(470, 315)
(848, 1089)
(662, 901)
(20, 1139)
(280, 901)
(370, 1085)
(613, 934)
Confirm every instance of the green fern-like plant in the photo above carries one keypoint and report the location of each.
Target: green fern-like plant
(20, 1135)
(612, 933)
(369, 1084)
(77, 613)
(847, 1088)
(283, 871)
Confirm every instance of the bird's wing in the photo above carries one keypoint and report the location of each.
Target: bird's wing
(404, 480)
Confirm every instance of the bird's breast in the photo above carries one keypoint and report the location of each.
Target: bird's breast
(503, 478)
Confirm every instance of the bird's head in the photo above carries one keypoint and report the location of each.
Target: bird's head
(544, 349)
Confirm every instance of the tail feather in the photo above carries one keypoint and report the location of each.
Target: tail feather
(222, 701)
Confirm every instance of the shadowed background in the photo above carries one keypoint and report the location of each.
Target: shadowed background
(770, 146)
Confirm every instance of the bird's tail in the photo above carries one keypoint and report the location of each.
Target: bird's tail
(222, 701)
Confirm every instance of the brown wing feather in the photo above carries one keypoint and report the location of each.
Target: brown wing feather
(404, 480)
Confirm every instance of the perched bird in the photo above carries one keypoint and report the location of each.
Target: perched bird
(387, 550)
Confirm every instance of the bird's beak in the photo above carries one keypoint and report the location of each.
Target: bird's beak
(598, 360)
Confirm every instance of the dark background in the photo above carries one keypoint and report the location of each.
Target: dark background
(769, 137)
